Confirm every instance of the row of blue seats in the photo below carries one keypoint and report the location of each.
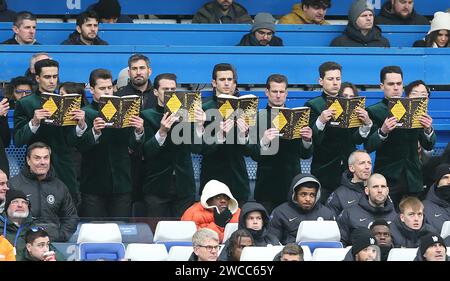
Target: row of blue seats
(193, 64)
(184, 7)
(212, 34)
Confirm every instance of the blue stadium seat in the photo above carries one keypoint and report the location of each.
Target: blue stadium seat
(91, 251)
(321, 244)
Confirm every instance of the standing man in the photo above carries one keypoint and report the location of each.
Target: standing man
(86, 32)
(353, 182)
(308, 12)
(53, 206)
(5, 135)
(262, 33)
(332, 146)
(28, 128)
(24, 28)
(397, 156)
(105, 168)
(222, 11)
(276, 170)
(400, 12)
(223, 157)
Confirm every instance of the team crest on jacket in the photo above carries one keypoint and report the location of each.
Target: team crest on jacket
(51, 199)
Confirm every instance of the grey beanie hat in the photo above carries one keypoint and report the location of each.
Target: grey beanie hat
(264, 20)
(357, 8)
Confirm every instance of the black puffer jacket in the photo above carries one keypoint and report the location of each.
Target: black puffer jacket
(436, 210)
(405, 237)
(250, 40)
(261, 237)
(210, 13)
(352, 37)
(51, 203)
(74, 39)
(346, 195)
(386, 17)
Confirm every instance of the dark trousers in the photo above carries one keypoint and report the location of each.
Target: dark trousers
(106, 205)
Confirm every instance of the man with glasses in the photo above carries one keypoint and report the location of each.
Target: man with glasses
(205, 244)
(216, 208)
(262, 33)
(21, 86)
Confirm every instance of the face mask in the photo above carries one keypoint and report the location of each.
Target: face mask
(443, 192)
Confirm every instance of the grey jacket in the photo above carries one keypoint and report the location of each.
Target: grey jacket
(346, 195)
(436, 210)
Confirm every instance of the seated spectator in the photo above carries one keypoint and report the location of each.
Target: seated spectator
(30, 73)
(262, 33)
(439, 33)
(206, 246)
(5, 14)
(56, 211)
(232, 249)
(24, 28)
(74, 88)
(360, 31)
(410, 225)
(303, 205)
(109, 11)
(3, 189)
(222, 11)
(21, 87)
(353, 182)
(432, 248)
(5, 135)
(38, 246)
(86, 32)
(255, 219)
(6, 250)
(382, 232)
(16, 220)
(348, 90)
(216, 208)
(290, 252)
(364, 248)
(375, 204)
(437, 202)
(395, 12)
(308, 12)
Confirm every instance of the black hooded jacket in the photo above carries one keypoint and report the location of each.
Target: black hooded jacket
(286, 218)
(5, 14)
(405, 237)
(353, 37)
(250, 40)
(51, 203)
(386, 17)
(346, 195)
(74, 39)
(261, 237)
(436, 210)
(361, 215)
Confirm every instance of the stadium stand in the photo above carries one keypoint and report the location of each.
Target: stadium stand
(91, 251)
(330, 254)
(318, 234)
(402, 254)
(146, 252)
(174, 233)
(180, 253)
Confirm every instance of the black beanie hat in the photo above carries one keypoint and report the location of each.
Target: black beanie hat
(441, 170)
(14, 194)
(428, 241)
(107, 9)
(361, 238)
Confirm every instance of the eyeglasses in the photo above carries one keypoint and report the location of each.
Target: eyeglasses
(21, 201)
(37, 228)
(27, 92)
(209, 247)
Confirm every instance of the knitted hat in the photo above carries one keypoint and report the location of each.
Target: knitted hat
(356, 9)
(361, 238)
(440, 21)
(264, 20)
(107, 9)
(14, 194)
(428, 241)
(441, 171)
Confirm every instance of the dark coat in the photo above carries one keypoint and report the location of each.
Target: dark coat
(388, 18)
(436, 209)
(15, 234)
(250, 40)
(74, 39)
(397, 154)
(286, 218)
(361, 215)
(13, 41)
(332, 147)
(211, 13)
(275, 172)
(5, 14)
(5, 139)
(52, 203)
(405, 237)
(149, 100)
(346, 195)
(352, 37)
(61, 140)
(261, 237)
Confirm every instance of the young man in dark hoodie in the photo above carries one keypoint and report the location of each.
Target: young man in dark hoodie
(400, 12)
(352, 183)
(360, 31)
(222, 11)
(437, 202)
(262, 33)
(86, 32)
(232, 250)
(303, 204)
(410, 225)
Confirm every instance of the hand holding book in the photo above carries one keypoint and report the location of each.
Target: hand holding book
(40, 114)
(326, 115)
(79, 116)
(138, 123)
(426, 122)
(99, 125)
(166, 123)
(389, 125)
(4, 107)
(269, 135)
(306, 133)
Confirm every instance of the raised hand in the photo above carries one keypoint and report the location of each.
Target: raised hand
(99, 125)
